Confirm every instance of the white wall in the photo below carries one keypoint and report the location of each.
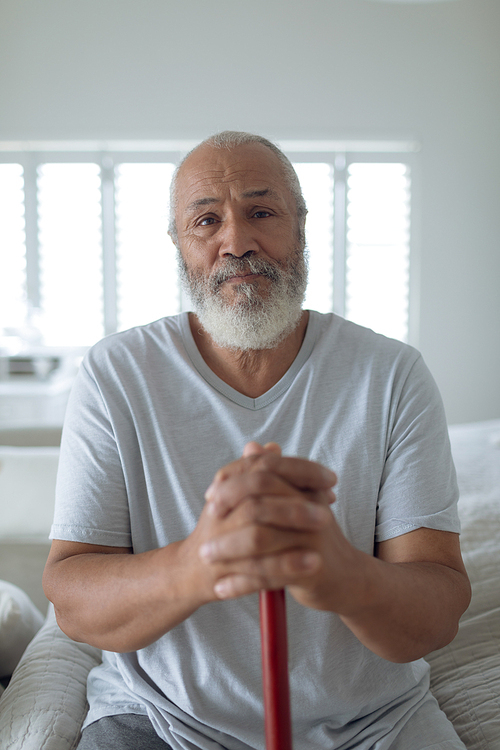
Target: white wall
(291, 69)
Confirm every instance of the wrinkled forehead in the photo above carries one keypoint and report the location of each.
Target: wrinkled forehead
(209, 170)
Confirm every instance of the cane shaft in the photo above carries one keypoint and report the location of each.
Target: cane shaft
(275, 670)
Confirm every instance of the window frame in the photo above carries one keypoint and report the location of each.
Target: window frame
(340, 154)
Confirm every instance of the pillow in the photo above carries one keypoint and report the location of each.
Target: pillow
(465, 675)
(45, 704)
(20, 620)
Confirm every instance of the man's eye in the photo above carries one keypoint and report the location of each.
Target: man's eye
(261, 214)
(207, 221)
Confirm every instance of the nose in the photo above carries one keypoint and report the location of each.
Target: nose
(236, 238)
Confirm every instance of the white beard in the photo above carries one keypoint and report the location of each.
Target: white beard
(256, 319)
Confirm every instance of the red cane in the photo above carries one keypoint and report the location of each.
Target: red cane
(273, 635)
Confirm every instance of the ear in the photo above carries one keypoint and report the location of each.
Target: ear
(172, 233)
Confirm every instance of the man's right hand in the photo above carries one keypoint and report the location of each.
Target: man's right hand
(120, 601)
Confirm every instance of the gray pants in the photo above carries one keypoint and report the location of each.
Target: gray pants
(121, 732)
(428, 729)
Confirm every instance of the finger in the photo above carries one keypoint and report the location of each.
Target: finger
(322, 497)
(299, 472)
(255, 449)
(227, 498)
(273, 448)
(270, 573)
(232, 493)
(292, 513)
(296, 513)
(252, 542)
(227, 494)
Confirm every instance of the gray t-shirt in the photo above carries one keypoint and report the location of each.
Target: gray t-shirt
(148, 425)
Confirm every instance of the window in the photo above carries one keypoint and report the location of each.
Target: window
(12, 246)
(378, 247)
(146, 267)
(84, 249)
(70, 252)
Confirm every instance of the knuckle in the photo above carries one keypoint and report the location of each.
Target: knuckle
(264, 462)
(291, 564)
(301, 562)
(220, 476)
(258, 481)
(323, 498)
(257, 571)
(256, 537)
(298, 514)
(250, 509)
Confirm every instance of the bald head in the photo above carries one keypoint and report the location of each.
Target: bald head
(229, 140)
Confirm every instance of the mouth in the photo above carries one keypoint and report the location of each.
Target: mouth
(246, 273)
(243, 278)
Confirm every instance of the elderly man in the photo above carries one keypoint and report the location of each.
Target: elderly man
(181, 494)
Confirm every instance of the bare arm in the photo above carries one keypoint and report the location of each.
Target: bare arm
(412, 597)
(116, 600)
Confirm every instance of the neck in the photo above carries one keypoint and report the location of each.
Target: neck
(251, 372)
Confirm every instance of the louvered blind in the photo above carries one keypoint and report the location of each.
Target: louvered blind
(378, 247)
(70, 253)
(13, 298)
(147, 284)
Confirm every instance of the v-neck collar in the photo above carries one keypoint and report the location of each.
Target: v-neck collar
(231, 393)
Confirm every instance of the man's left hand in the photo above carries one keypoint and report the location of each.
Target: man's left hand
(401, 603)
(280, 540)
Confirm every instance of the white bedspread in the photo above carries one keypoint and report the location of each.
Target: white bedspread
(465, 675)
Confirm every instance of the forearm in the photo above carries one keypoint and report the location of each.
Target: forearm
(404, 611)
(122, 602)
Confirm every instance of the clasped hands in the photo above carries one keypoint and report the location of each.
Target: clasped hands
(267, 524)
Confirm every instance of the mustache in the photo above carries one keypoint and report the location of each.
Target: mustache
(242, 266)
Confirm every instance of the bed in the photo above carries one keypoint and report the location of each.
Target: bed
(44, 704)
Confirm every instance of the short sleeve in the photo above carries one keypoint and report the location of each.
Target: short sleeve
(418, 486)
(91, 499)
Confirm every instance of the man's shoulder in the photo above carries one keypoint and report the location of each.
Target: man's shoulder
(138, 343)
(349, 337)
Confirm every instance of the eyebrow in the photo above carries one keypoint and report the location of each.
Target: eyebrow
(260, 193)
(201, 202)
(193, 207)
